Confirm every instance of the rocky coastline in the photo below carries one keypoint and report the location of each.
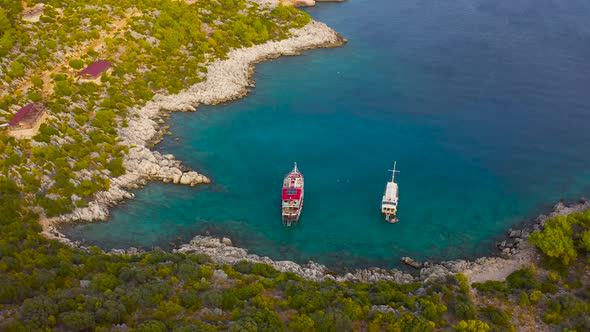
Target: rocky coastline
(226, 80)
(515, 252)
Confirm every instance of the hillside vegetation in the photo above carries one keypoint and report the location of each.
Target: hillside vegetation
(45, 285)
(155, 46)
(161, 46)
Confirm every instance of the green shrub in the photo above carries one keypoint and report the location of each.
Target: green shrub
(17, 69)
(472, 326)
(556, 240)
(151, 326)
(260, 269)
(102, 282)
(78, 320)
(252, 319)
(37, 310)
(189, 300)
(13, 290)
(76, 64)
(497, 316)
(497, 288)
(465, 310)
(332, 320)
(523, 279)
(302, 323)
(552, 318)
(116, 168)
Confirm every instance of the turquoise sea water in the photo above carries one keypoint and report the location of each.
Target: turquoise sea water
(483, 104)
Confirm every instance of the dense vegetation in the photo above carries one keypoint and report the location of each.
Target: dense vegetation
(557, 291)
(45, 285)
(155, 46)
(163, 47)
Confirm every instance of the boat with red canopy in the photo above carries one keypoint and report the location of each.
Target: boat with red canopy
(292, 197)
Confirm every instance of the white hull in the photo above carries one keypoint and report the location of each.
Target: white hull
(390, 199)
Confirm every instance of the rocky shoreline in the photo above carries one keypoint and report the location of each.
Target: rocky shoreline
(226, 80)
(520, 253)
(516, 252)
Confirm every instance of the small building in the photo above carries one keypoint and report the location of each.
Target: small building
(95, 70)
(33, 14)
(26, 121)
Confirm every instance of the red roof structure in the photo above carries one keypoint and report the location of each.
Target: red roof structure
(26, 116)
(95, 69)
(291, 193)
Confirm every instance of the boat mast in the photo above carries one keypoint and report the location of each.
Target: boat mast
(393, 171)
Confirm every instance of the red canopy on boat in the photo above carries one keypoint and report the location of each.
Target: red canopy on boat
(291, 193)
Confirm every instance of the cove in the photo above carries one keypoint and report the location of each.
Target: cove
(484, 105)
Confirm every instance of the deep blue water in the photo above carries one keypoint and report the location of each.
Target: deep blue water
(484, 104)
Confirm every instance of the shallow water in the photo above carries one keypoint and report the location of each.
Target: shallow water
(483, 104)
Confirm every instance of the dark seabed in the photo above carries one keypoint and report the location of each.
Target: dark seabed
(484, 104)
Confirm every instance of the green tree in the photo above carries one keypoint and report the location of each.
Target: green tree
(472, 326)
(37, 310)
(17, 69)
(78, 320)
(585, 241)
(251, 319)
(302, 323)
(13, 290)
(5, 23)
(332, 320)
(151, 326)
(76, 64)
(556, 240)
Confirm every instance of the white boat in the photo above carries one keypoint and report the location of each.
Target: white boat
(390, 198)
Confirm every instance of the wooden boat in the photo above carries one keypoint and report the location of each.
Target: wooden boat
(390, 198)
(292, 197)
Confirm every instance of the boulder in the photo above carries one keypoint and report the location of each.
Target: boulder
(410, 262)
(148, 168)
(226, 241)
(435, 272)
(176, 178)
(219, 275)
(185, 179)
